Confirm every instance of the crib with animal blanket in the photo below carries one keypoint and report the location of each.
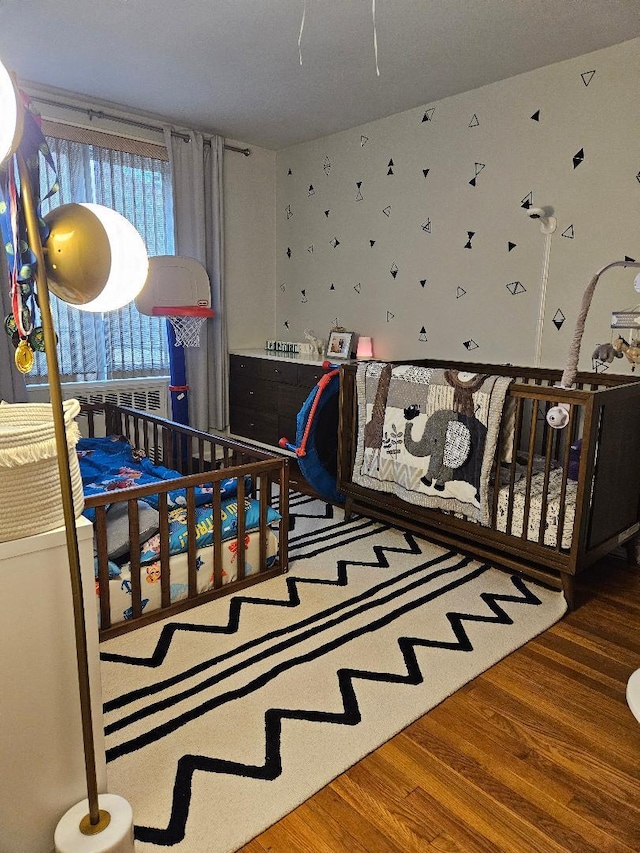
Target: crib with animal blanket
(177, 493)
(543, 502)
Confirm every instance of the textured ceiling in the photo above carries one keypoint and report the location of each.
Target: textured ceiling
(233, 67)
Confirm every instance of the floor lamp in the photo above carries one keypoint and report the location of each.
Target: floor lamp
(95, 260)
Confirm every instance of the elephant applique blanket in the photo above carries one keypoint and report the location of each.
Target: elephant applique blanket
(429, 435)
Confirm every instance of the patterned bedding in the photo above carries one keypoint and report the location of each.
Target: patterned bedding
(429, 435)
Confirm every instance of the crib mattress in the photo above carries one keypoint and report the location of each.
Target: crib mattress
(120, 588)
(552, 520)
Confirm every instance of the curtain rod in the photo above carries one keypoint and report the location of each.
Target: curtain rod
(144, 126)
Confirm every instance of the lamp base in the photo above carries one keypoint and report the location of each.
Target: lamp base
(116, 837)
(633, 694)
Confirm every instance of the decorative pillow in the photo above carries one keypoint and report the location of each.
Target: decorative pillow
(118, 527)
(178, 532)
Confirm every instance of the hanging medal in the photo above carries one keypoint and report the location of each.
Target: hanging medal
(24, 357)
(20, 289)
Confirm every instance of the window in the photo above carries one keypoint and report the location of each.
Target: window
(133, 178)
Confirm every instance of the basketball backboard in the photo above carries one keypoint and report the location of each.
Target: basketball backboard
(174, 280)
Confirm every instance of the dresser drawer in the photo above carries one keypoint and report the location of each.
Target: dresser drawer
(279, 371)
(257, 425)
(291, 398)
(240, 366)
(309, 374)
(251, 392)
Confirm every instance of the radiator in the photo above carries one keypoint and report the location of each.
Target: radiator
(147, 395)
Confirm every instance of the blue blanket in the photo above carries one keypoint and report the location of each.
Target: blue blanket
(111, 463)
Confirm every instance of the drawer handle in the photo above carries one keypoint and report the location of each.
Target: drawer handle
(251, 393)
(276, 370)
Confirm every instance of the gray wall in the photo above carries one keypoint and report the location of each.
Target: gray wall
(356, 207)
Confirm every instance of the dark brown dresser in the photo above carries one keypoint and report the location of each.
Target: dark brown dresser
(266, 393)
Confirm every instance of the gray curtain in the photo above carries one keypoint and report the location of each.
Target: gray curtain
(12, 386)
(198, 215)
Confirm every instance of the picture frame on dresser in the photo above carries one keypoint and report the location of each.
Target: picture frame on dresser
(341, 344)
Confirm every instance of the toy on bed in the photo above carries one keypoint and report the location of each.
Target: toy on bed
(166, 538)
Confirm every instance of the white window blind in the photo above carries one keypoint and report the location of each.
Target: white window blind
(133, 178)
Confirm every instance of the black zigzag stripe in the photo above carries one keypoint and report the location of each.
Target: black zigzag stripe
(333, 531)
(349, 716)
(294, 541)
(368, 528)
(152, 735)
(320, 616)
(235, 603)
(295, 513)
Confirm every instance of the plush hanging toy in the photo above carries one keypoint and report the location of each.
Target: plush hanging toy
(606, 353)
(632, 351)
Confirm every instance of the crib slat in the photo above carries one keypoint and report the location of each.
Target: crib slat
(188, 450)
(134, 556)
(548, 456)
(103, 567)
(570, 437)
(283, 509)
(217, 540)
(145, 433)
(517, 438)
(240, 553)
(163, 532)
(533, 426)
(191, 543)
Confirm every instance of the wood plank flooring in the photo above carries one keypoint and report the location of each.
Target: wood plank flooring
(540, 754)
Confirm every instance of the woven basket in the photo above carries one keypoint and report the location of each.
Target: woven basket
(30, 496)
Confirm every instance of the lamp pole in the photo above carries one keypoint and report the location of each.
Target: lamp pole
(97, 819)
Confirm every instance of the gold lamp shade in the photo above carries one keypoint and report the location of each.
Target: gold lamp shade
(95, 258)
(10, 116)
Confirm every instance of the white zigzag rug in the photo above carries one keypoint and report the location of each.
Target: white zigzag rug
(221, 721)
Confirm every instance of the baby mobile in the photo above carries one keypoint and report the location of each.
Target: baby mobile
(627, 320)
(22, 323)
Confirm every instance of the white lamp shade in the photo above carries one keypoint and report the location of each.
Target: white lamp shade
(10, 116)
(96, 260)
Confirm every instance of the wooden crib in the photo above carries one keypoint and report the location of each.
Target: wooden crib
(547, 520)
(202, 459)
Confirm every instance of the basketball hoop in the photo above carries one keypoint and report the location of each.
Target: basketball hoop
(186, 320)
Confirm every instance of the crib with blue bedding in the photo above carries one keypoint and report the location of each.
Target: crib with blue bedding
(166, 503)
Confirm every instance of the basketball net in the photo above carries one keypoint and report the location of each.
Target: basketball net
(187, 330)
(187, 322)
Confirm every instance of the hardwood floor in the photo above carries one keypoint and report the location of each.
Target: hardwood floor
(540, 754)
